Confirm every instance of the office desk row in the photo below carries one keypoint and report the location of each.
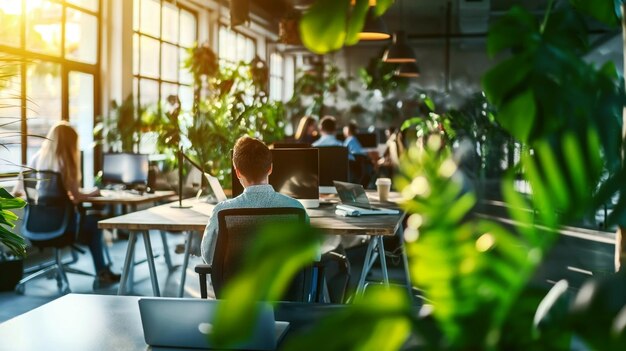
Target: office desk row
(192, 221)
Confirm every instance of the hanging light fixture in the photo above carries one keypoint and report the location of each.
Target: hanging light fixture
(407, 70)
(399, 51)
(374, 28)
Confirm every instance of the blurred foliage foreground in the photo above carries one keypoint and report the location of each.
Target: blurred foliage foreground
(473, 272)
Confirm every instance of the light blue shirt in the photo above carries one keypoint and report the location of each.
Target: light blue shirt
(256, 196)
(327, 140)
(354, 147)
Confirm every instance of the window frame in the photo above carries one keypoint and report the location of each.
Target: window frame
(137, 76)
(67, 66)
(222, 26)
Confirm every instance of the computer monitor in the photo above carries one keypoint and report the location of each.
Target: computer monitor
(124, 168)
(333, 165)
(294, 173)
(285, 145)
(367, 140)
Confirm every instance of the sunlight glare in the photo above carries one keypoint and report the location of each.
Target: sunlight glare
(11, 7)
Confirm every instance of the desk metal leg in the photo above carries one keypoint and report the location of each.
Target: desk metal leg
(166, 251)
(383, 260)
(183, 270)
(151, 267)
(375, 250)
(366, 266)
(128, 262)
(133, 263)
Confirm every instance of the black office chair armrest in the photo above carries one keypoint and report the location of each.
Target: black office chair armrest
(203, 270)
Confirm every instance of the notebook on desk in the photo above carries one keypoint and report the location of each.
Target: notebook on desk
(170, 322)
(354, 202)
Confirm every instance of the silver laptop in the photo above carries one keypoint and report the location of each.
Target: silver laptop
(216, 187)
(186, 322)
(354, 201)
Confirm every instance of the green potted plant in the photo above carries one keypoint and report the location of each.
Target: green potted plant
(120, 130)
(12, 246)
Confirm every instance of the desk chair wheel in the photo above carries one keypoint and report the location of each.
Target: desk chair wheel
(20, 289)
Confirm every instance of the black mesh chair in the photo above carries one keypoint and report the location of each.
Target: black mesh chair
(237, 231)
(47, 224)
(361, 170)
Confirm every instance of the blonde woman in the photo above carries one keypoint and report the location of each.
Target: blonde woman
(60, 153)
(307, 130)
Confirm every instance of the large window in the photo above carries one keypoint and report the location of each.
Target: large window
(48, 71)
(277, 77)
(234, 47)
(163, 30)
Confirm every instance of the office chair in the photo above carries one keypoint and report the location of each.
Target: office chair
(47, 220)
(237, 231)
(361, 170)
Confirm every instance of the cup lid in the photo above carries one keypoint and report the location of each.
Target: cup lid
(383, 181)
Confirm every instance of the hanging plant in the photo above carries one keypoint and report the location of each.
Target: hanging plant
(288, 29)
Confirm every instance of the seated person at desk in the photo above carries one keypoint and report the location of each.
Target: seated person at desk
(252, 161)
(59, 153)
(351, 142)
(328, 128)
(307, 130)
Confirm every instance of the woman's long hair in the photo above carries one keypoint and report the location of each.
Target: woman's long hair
(303, 126)
(60, 150)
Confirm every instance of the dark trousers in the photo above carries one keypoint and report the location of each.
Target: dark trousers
(91, 236)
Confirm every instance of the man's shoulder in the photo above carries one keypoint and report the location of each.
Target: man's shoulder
(282, 200)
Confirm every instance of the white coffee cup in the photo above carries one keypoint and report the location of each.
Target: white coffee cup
(384, 186)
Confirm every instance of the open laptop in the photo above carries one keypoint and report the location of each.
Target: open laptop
(355, 201)
(176, 322)
(216, 187)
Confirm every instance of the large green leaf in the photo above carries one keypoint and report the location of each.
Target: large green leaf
(382, 6)
(606, 11)
(356, 21)
(379, 320)
(518, 115)
(323, 26)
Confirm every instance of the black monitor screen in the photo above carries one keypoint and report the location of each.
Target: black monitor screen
(124, 168)
(294, 173)
(368, 140)
(333, 165)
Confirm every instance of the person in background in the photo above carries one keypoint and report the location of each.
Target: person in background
(389, 163)
(252, 161)
(307, 130)
(351, 142)
(328, 130)
(60, 153)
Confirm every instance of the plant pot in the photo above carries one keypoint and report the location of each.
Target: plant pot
(11, 272)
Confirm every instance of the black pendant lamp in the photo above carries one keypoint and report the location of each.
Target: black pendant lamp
(375, 28)
(399, 51)
(407, 70)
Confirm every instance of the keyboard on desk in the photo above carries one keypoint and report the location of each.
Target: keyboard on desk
(119, 193)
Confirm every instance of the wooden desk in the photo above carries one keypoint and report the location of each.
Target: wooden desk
(77, 322)
(195, 219)
(129, 199)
